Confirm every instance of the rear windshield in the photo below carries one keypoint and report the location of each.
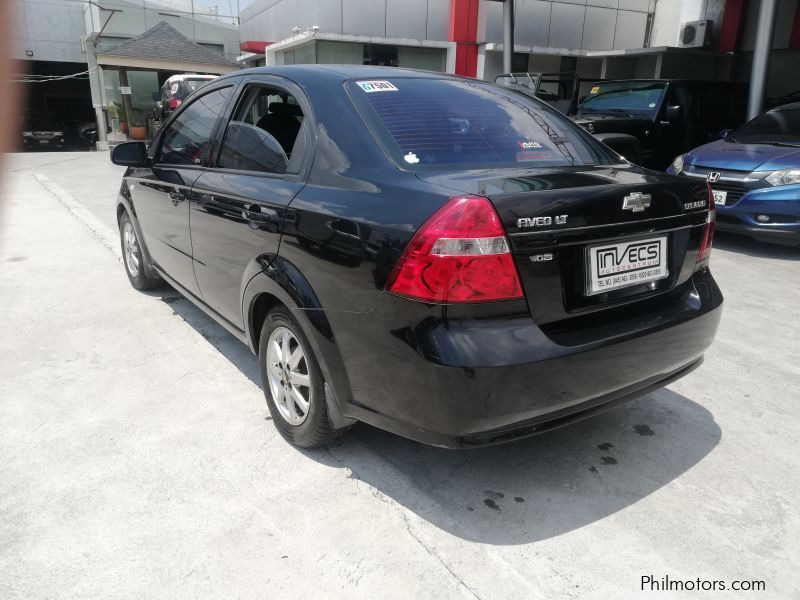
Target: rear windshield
(439, 123)
(773, 127)
(190, 85)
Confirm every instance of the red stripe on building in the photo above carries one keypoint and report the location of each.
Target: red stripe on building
(731, 27)
(794, 40)
(463, 31)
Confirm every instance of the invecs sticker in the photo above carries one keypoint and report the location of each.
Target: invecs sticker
(376, 86)
(595, 89)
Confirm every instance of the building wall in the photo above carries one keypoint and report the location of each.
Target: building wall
(671, 14)
(51, 30)
(54, 29)
(273, 20)
(784, 20)
(570, 24)
(587, 24)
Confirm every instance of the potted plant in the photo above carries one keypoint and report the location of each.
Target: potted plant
(116, 111)
(112, 112)
(139, 128)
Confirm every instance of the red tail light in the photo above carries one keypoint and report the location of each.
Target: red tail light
(460, 254)
(708, 234)
(173, 103)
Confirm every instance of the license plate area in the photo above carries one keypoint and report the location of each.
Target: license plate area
(619, 264)
(720, 197)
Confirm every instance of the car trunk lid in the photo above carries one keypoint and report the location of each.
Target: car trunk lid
(556, 218)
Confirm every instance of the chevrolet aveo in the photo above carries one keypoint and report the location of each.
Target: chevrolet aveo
(442, 258)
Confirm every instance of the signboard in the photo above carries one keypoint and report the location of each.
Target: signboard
(125, 90)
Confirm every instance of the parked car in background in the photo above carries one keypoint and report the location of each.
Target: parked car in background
(43, 130)
(559, 90)
(433, 255)
(754, 173)
(666, 117)
(174, 91)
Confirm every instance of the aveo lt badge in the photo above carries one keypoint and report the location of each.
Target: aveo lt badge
(541, 221)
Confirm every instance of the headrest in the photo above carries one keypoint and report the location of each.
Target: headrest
(282, 108)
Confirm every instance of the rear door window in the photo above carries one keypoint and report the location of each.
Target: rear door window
(186, 139)
(435, 123)
(267, 133)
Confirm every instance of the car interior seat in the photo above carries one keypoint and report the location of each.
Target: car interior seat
(281, 122)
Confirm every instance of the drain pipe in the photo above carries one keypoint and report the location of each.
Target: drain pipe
(508, 35)
(760, 68)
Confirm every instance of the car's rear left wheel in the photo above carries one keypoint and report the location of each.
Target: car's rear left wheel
(293, 383)
(133, 257)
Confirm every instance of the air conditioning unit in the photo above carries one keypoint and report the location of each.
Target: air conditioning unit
(695, 34)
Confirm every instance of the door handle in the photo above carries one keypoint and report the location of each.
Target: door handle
(177, 198)
(255, 214)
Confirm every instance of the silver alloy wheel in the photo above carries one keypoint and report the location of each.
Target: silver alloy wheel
(288, 375)
(131, 249)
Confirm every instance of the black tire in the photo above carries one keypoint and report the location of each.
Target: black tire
(316, 429)
(141, 278)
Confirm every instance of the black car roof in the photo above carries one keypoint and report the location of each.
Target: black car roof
(307, 73)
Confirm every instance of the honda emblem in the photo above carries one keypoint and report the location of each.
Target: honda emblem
(713, 176)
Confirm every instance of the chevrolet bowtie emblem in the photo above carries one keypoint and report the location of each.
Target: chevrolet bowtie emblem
(637, 202)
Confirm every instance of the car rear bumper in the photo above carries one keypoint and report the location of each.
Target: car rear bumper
(434, 389)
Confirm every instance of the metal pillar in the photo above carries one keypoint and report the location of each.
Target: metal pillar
(508, 34)
(758, 73)
(127, 106)
(96, 88)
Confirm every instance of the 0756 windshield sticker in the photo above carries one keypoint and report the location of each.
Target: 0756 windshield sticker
(376, 86)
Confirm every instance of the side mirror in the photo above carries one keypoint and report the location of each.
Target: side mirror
(130, 154)
(673, 112)
(724, 133)
(155, 96)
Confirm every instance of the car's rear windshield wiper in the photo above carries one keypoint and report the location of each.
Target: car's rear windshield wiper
(606, 111)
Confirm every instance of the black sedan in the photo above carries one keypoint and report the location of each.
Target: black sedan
(440, 257)
(43, 131)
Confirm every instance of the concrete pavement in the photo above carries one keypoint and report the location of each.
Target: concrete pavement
(137, 459)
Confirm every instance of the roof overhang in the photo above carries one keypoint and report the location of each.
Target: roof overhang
(150, 64)
(247, 56)
(628, 52)
(305, 37)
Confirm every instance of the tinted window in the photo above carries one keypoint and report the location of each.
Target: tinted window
(773, 126)
(634, 97)
(265, 133)
(439, 122)
(186, 139)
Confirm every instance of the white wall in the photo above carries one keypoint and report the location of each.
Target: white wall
(671, 14)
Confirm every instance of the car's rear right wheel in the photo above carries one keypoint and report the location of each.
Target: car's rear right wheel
(293, 383)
